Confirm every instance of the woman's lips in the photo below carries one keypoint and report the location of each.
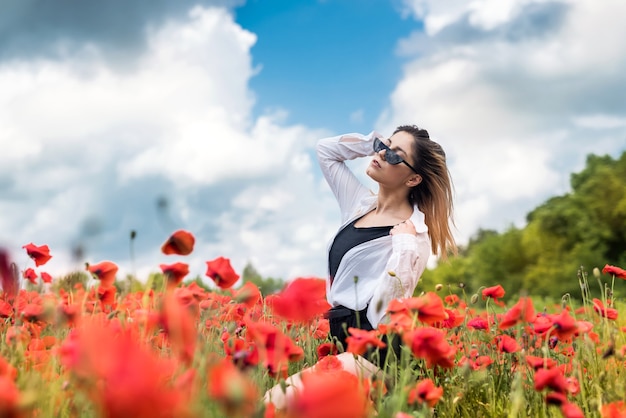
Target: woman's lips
(375, 163)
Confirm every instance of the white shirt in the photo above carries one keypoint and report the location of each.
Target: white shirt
(404, 255)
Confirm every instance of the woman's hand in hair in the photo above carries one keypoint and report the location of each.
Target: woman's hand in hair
(405, 227)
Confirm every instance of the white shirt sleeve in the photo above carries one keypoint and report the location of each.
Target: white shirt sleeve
(331, 154)
(403, 270)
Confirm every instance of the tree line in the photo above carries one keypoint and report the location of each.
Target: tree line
(564, 238)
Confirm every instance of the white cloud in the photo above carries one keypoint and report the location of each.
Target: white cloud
(599, 121)
(513, 114)
(83, 140)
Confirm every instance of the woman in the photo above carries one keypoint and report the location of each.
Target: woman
(386, 239)
(382, 248)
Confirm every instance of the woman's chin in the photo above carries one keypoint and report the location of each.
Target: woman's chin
(371, 173)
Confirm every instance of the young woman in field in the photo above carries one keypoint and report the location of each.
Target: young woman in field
(383, 245)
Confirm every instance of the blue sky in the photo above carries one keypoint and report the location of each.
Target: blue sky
(214, 107)
(332, 64)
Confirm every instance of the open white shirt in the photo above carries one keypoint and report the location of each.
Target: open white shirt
(403, 255)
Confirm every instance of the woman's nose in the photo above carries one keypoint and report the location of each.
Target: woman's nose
(382, 153)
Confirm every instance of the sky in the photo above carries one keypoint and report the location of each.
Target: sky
(154, 115)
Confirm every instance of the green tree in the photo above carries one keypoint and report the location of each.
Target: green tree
(267, 286)
(583, 228)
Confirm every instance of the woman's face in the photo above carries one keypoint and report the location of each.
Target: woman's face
(383, 172)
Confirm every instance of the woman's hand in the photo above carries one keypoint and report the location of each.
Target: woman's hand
(405, 227)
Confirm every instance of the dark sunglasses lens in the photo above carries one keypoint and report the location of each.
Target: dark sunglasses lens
(392, 158)
(390, 155)
(378, 145)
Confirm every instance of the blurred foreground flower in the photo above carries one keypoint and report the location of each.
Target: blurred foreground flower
(235, 392)
(221, 272)
(302, 300)
(329, 394)
(174, 273)
(40, 254)
(122, 376)
(425, 392)
(180, 242)
(104, 271)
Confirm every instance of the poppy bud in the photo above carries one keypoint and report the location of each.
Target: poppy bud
(596, 272)
(438, 287)
(474, 298)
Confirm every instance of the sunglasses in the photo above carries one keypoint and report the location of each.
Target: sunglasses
(391, 156)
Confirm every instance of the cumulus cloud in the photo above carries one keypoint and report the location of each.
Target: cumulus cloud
(91, 153)
(514, 91)
(117, 28)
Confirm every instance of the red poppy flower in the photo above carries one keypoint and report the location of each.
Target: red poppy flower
(174, 273)
(9, 398)
(429, 308)
(451, 300)
(133, 381)
(540, 362)
(6, 310)
(104, 271)
(453, 319)
(329, 363)
(398, 323)
(180, 243)
(302, 300)
(6, 369)
(240, 351)
(326, 349)
(551, 378)
(329, 395)
(430, 344)
(425, 392)
(45, 277)
(40, 254)
(361, 340)
(495, 293)
(180, 327)
(478, 323)
(232, 389)
(221, 272)
(248, 294)
(614, 410)
(507, 344)
(30, 275)
(571, 410)
(106, 295)
(320, 329)
(608, 313)
(615, 271)
(522, 311)
(276, 350)
(565, 325)
(542, 324)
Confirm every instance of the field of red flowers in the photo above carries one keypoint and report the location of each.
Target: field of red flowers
(184, 351)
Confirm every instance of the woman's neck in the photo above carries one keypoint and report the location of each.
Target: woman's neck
(393, 203)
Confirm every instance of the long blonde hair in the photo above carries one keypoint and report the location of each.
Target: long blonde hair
(433, 196)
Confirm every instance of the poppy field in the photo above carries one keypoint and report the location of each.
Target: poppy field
(91, 350)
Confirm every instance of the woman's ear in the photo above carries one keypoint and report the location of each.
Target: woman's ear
(414, 180)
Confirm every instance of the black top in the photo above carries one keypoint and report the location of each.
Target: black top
(349, 237)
